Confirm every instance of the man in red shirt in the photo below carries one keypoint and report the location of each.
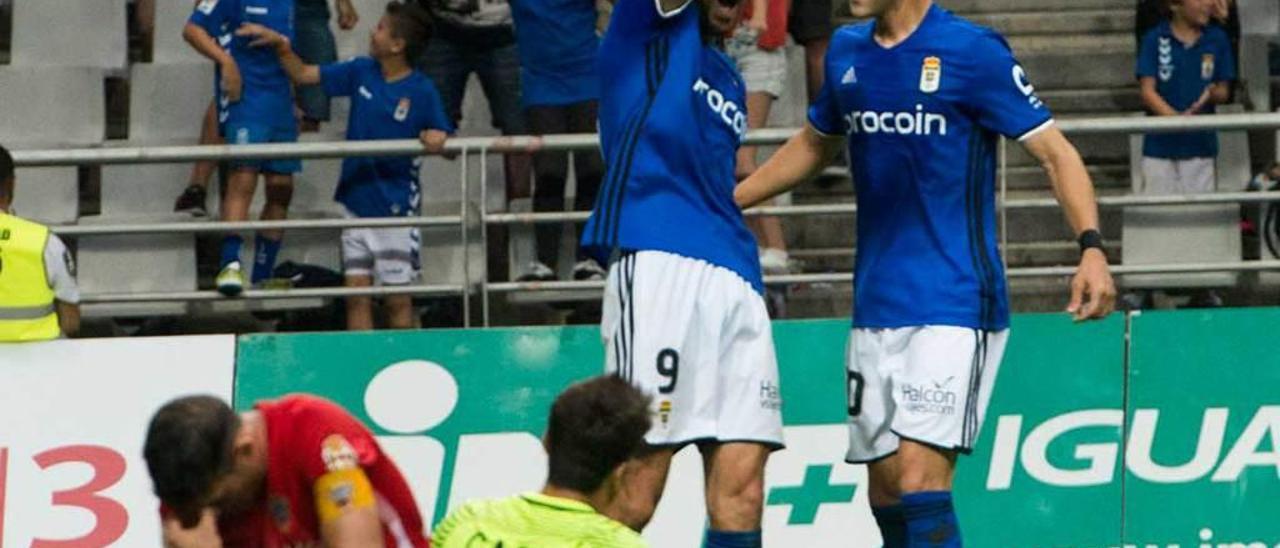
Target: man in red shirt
(297, 471)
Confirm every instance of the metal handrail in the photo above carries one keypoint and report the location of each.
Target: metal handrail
(110, 155)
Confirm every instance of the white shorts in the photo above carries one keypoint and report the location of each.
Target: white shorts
(1162, 176)
(763, 71)
(697, 338)
(389, 255)
(926, 384)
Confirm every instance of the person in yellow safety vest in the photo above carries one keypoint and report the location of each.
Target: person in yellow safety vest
(39, 299)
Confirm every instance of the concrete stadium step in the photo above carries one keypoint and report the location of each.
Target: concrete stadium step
(1016, 254)
(835, 300)
(1109, 100)
(1051, 68)
(1081, 22)
(997, 6)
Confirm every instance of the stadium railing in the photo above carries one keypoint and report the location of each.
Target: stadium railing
(466, 148)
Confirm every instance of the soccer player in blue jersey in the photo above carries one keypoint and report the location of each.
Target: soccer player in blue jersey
(684, 319)
(919, 95)
(256, 104)
(389, 100)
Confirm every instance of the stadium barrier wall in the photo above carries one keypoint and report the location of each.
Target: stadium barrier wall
(1171, 439)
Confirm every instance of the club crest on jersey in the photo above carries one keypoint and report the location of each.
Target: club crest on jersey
(930, 74)
(664, 412)
(1206, 66)
(402, 110)
(337, 454)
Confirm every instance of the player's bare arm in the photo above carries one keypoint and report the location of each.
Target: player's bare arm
(262, 37)
(207, 46)
(1074, 189)
(347, 509)
(802, 157)
(203, 535)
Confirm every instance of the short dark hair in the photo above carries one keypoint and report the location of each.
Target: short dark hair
(6, 173)
(189, 444)
(411, 23)
(595, 426)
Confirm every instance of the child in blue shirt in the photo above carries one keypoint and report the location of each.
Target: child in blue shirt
(389, 100)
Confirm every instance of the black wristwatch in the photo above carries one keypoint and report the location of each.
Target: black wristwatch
(1090, 239)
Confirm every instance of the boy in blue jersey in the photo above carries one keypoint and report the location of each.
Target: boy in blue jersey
(256, 103)
(390, 100)
(559, 87)
(919, 96)
(684, 319)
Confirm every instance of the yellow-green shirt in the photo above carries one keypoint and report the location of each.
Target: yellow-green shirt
(532, 520)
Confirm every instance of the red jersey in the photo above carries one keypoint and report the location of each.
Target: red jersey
(311, 444)
(776, 35)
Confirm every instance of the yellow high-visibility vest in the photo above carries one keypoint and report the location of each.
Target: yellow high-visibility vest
(27, 311)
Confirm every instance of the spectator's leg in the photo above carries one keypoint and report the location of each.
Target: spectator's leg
(359, 309)
(267, 244)
(763, 71)
(551, 169)
(448, 69)
(235, 207)
(768, 229)
(400, 312)
(314, 43)
(193, 198)
(499, 73)
(810, 25)
(588, 170)
(815, 52)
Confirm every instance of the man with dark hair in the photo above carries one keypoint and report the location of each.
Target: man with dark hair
(291, 472)
(595, 429)
(39, 299)
(390, 100)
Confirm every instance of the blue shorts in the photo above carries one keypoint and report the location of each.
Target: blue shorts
(239, 133)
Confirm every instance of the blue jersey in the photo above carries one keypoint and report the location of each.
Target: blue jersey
(1182, 73)
(558, 46)
(383, 187)
(672, 115)
(267, 96)
(921, 120)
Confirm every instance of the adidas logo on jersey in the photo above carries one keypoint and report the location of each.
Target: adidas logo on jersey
(850, 77)
(900, 123)
(730, 113)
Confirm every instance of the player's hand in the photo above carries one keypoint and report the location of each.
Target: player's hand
(231, 83)
(433, 141)
(1092, 280)
(347, 16)
(1197, 106)
(203, 535)
(262, 37)
(759, 22)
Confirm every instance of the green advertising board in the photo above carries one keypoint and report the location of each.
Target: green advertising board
(461, 411)
(1203, 458)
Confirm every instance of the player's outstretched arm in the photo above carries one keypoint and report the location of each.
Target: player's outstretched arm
(262, 37)
(802, 157)
(1074, 189)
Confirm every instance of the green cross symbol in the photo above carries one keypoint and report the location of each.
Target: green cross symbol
(806, 498)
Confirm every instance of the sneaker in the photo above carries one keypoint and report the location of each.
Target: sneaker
(230, 280)
(588, 270)
(774, 261)
(537, 272)
(192, 201)
(274, 283)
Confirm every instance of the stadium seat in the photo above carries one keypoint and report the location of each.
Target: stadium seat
(91, 33)
(59, 106)
(111, 264)
(1204, 233)
(48, 195)
(167, 101)
(168, 45)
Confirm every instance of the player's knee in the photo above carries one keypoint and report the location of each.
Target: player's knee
(737, 506)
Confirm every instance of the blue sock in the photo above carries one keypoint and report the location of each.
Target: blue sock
(731, 539)
(264, 257)
(230, 250)
(893, 525)
(931, 520)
